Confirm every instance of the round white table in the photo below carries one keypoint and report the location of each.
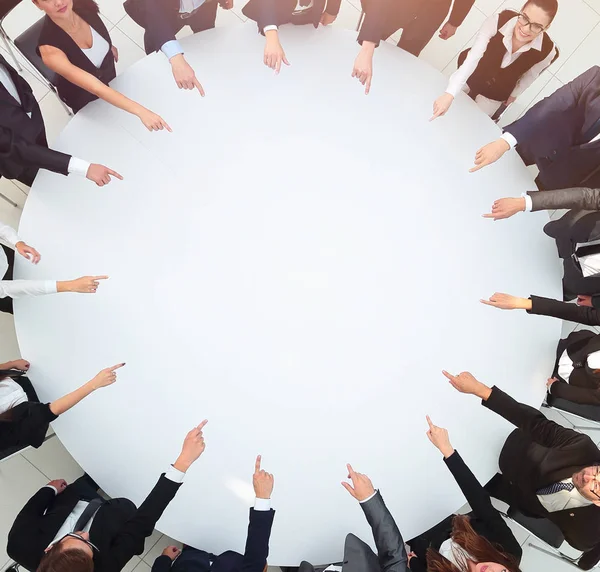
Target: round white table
(296, 262)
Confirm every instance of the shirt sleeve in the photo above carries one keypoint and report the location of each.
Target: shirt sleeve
(171, 48)
(459, 78)
(510, 139)
(269, 28)
(9, 235)
(528, 202)
(532, 74)
(262, 504)
(78, 166)
(369, 498)
(53, 488)
(19, 288)
(174, 474)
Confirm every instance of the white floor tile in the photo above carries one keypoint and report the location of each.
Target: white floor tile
(157, 549)
(520, 533)
(348, 17)
(132, 31)
(488, 7)
(238, 5)
(556, 416)
(131, 565)
(13, 193)
(54, 461)
(583, 58)
(112, 10)
(21, 18)
(151, 541)
(143, 567)
(595, 4)
(129, 51)
(227, 18)
(535, 560)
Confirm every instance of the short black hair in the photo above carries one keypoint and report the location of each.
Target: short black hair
(548, 6)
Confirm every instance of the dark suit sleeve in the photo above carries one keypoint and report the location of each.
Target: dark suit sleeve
(130, 540)
(460, 9)
(374, 20)
(533, 422)
(526, 129)
(162, 564)
(575, 198)
(583, 395)
(589, 559)
(29, 426)
(158, 23)
(333, 7)
(15, 148)
(257, 541)
(389, 542)
(263, 12)
(479, 500)
(563, 310)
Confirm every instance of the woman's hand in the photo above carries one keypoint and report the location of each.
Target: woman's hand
(83, 285)
(507, 302)
(439, 437)
(274, 54)
(441, 105)
(153, 122)
(115, 53)
(106, 377)
(363, 65)
(28, 252)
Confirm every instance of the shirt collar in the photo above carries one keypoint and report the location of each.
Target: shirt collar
(507, 31)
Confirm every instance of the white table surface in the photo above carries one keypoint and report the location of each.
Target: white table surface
(296, 262)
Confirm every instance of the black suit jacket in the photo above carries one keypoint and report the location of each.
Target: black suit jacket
(551, 134)
(23, 138)
(254, 558)
(279, 12)
(541, 452)
(118, 529)
(564, 311)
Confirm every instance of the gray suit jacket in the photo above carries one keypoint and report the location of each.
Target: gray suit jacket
(580, 198)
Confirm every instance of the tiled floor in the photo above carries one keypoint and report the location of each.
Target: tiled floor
(576, 32)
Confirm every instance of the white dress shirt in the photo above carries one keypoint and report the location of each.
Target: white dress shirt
(99, 49)
(565, 365)
(11, 394)
(563, 499)
(18, 288)
(77, 166)
(458, 80)
(454, 552)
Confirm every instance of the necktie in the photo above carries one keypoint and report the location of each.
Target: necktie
(592, 132)
(556, 488)
(87, 514)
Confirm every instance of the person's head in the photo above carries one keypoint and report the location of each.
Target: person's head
(535, 18)
(587, 482)
(486, 557)
(56, 9)
(72, 553)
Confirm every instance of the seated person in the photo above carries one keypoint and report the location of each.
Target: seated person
(255, 555)
(391, 554)
(10, 288)
(270, 14)
(71, 528)
(23, 144)
(75, 44)
(162, 19)
(548, 471)
(475, 542)
(559, 134)
(23, 420)
(510, 51)
(418, 19)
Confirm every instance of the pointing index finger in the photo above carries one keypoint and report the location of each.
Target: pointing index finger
(448, 375)
(257, 464)
(431, 425)
(119, 365)
(99, 277)
(201, 426)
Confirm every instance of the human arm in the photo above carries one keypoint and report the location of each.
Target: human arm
(9, 235)
(589, 559)
(532, 74)
(21, 364)
(164, 561)
(59, 63)
(460, 10)
(104, 378)
(363, 65)
(582, 395)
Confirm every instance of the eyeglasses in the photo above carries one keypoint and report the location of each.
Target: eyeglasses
(79, 537)
(595, 486)
(533, 26)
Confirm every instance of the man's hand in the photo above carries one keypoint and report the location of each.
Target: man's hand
(507, 302)
(363, 65)
(83, 285)
(59, 484)
(439, 437)
(105, 377)
(274, 54)
(466, 383)
(28, 252)
(447, 31)
(193, 447)
(184, 75)
(21, 364)
(362, 487)
(263, 482)
(101, 174)
(505, 208)
(549, 383)
(115, 53)
(489, 154)
(172, 552)
(441, 105)
(327, 19)
(584, 301)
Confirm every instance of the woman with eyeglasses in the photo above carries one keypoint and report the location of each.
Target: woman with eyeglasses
(510, 51)
(23, 420)
(75, 44)
(478, 542)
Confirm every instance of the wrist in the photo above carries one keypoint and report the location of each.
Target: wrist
(447, 451)
(182, 464)
(64, 285)
(272, 35)
(368, 47)
(525, 304)
(19, 242)
(505, 144)
(483, 392)
(176, 59)
(89, 387)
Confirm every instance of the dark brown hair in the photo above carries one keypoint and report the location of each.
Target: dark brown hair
(72, 560)
(548, 6)
(480, 548)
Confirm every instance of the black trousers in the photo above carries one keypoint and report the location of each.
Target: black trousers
(6, 304)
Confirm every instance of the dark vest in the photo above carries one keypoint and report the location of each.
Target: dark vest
(491, 80)
(52, 35)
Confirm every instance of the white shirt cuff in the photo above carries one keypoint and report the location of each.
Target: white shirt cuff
(528, 202)
(262, 504)
(51, 286)
(509, 138)
(78, 166)
(171, 48)
(53, 488)
(269, 28)
(368, 499)
(174, 474)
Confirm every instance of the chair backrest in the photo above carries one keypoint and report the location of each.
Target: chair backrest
(27, 43)
(6, 6)
(543, 528)
(591, 412)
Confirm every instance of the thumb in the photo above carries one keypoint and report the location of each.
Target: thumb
(349, 489)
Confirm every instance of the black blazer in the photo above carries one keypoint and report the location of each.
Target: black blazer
(541, 452)
(254, 558)
(563, 310)
(551, 134)
(279, 12)
(23, 138)
(485, 519)
(118, 529)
